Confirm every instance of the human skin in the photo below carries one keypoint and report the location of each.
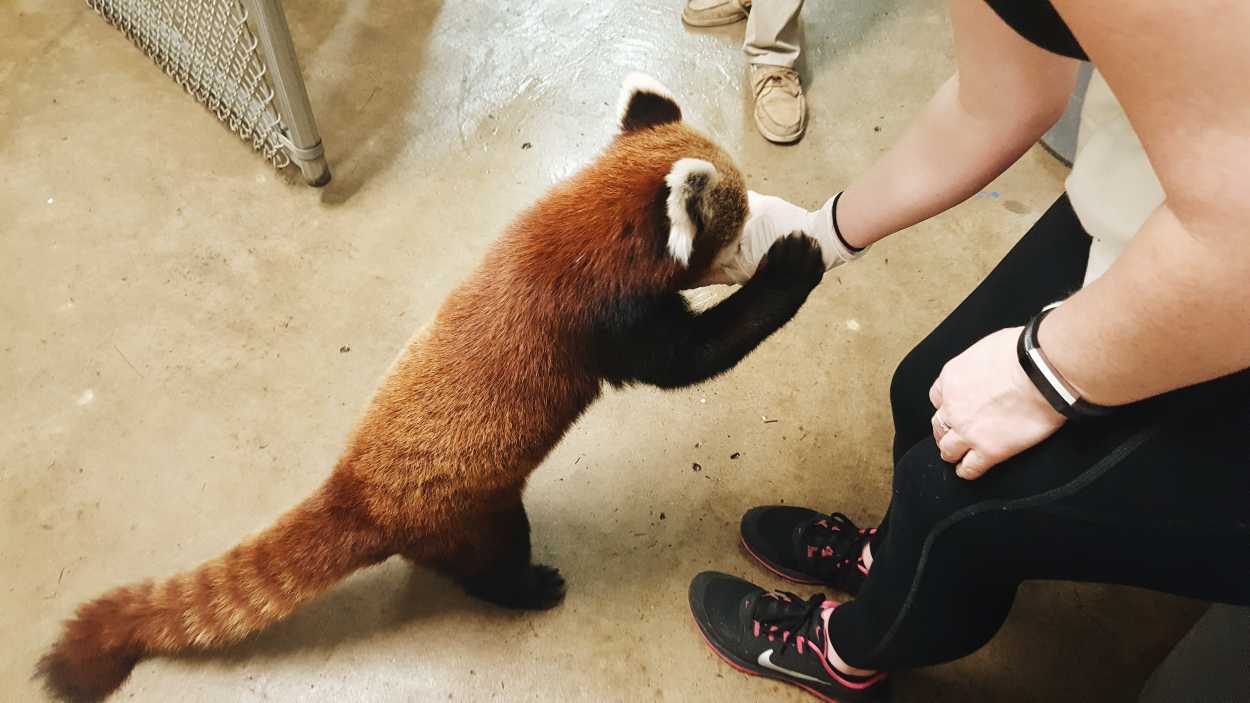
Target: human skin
(1174, 310)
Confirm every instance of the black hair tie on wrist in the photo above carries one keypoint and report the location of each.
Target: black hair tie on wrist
(833, 215)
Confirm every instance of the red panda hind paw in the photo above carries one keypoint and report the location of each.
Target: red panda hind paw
(547, 588)
(539, 587)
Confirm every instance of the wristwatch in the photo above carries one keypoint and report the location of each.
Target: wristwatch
(1056, 389)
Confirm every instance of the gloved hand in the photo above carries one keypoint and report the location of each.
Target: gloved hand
(769, 218)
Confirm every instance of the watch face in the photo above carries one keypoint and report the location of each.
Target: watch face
(1052, 378)
(1044, 377)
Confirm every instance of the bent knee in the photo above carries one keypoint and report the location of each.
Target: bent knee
(909, 386)
(926, 487)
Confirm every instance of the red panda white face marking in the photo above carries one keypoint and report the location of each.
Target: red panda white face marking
(688, 183)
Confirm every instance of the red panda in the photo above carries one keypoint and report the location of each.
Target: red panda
(582, 288)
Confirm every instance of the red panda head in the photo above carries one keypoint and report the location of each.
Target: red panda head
(652, 214)
(690, 180)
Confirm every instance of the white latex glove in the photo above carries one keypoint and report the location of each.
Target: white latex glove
(771, 217)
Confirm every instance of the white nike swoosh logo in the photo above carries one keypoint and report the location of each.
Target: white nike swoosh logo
(766, 660)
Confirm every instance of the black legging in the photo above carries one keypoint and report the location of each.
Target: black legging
(1157, 495)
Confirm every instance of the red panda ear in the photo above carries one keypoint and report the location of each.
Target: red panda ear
(689, 183)
(645, 103)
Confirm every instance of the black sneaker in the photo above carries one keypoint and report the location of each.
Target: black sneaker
(805, 546)
(777, 635)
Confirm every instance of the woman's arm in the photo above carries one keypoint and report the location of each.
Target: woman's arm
(1173, 311)
(1006, 94)
(1175, 308)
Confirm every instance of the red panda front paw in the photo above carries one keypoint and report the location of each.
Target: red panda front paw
(792, 262)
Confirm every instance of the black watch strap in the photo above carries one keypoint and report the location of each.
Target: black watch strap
(1050, 383)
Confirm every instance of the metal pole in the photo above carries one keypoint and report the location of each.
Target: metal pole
(304, 141)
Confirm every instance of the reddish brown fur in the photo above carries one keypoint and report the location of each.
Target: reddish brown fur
(465, 415)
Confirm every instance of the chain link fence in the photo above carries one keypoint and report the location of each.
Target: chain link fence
(237, 59)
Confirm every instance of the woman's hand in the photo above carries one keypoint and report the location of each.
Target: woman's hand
(987, 408)
(770, 218)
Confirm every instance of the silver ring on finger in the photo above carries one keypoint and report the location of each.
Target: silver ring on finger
(942, 423)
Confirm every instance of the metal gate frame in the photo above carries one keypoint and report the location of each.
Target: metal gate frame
(303, 141)
(236, 58)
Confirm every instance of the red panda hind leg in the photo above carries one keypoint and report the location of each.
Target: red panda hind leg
(489, 555)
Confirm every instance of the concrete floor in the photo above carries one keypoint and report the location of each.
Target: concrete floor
(187, 338)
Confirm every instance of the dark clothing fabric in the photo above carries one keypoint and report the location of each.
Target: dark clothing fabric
(1037, 21)
(1157, 495)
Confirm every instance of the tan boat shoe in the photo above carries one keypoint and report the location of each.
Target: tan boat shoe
(714, 13)
(780, 108)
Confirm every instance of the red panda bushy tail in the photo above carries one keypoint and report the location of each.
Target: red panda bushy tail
(252, 586)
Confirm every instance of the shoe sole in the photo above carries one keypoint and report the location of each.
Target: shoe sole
(747, 668)
(721, 22)
(779, 139)
(783, 572)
